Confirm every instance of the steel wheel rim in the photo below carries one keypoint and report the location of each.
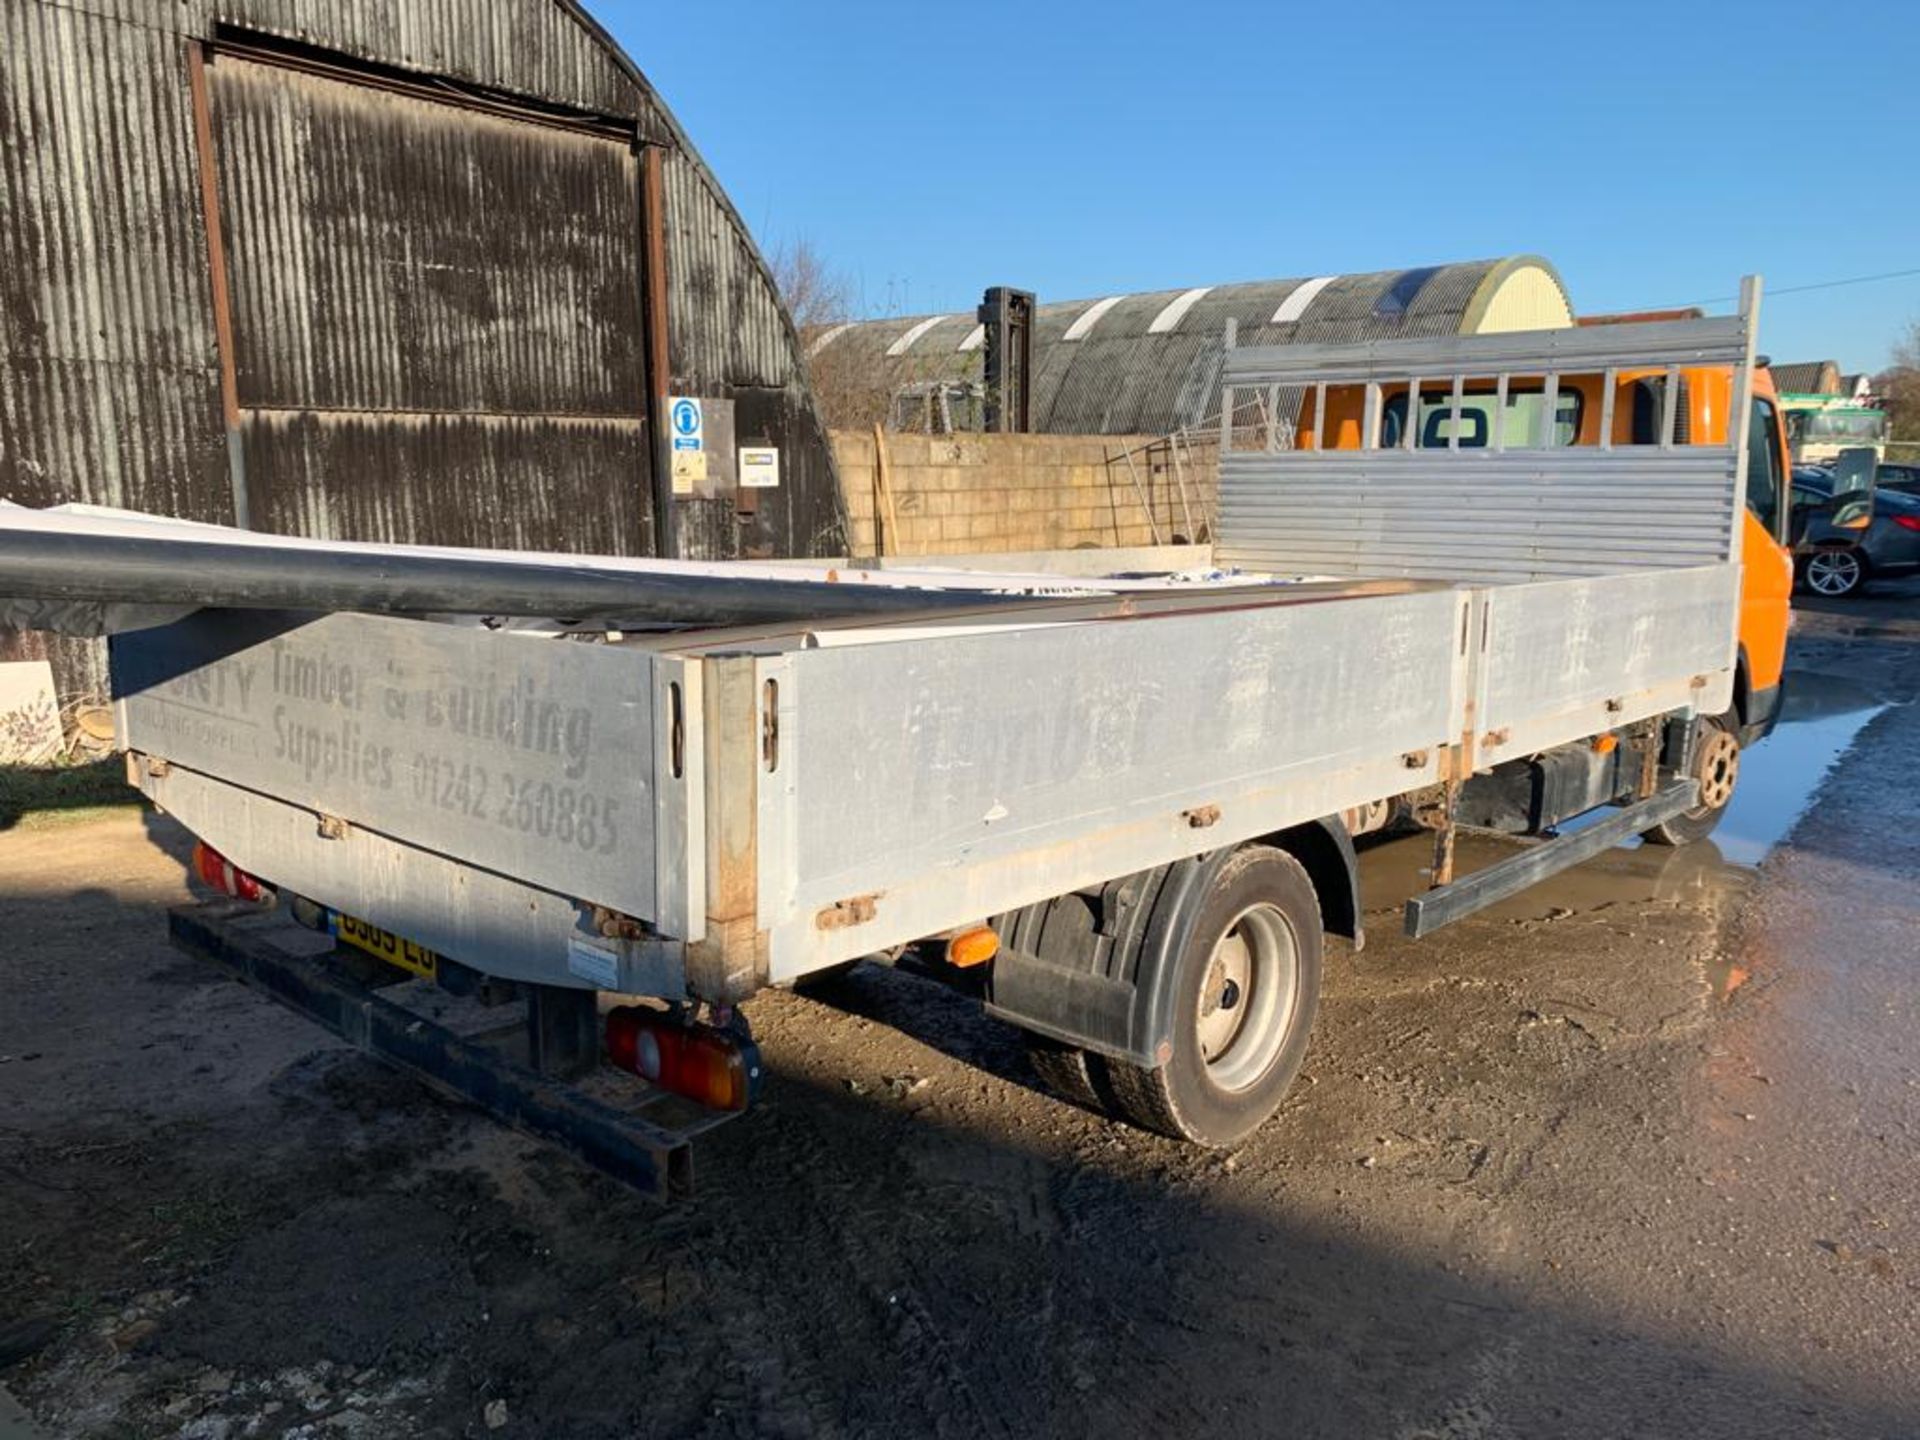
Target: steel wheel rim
(1249, 992)
(1718, 769)
(1834, 572)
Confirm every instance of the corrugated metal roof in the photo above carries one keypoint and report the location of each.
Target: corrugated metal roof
(1807, 377)
(1149, 363)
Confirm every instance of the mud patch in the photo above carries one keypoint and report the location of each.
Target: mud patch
(343, 1281)
(1536, 1180)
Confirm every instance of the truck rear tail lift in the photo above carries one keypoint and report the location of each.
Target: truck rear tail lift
(640, 1135)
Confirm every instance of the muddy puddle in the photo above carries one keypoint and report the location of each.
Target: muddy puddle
(1819, 719)
(1821, 716)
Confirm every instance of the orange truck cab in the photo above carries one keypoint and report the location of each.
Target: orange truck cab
(1637, 412)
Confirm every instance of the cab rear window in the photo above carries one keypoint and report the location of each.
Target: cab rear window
(1521, 431)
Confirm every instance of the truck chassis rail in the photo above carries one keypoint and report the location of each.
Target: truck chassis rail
(650, 1152)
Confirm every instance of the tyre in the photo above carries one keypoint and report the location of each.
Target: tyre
(1069, 1072)
(1245, 985)
(1835, 574)
(1716, 766)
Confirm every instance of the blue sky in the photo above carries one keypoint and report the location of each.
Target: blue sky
(1654, 153)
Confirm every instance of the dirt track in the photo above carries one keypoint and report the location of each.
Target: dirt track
(1632, 1155)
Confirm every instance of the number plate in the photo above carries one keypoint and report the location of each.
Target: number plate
(386, 946)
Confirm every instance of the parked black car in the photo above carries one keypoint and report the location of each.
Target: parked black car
(1899, 476)
(1835, 561)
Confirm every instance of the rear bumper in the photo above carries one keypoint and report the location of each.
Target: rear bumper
(633, 1131)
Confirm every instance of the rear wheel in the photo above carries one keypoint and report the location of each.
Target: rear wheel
(1245, 987)
(1834, 573)
(1068, 1071)
(1716, 768)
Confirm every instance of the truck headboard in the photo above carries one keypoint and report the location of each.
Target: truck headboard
(1499, 476)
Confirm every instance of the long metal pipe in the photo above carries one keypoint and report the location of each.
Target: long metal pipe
(123, 569)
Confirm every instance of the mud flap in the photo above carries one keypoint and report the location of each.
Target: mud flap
(1076, 1007)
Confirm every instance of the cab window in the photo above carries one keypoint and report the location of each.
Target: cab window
(1763, 465)
(1477, 407)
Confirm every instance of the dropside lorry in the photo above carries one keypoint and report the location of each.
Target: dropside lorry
(1512, 580)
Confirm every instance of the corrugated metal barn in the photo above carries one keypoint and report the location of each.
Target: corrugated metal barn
(379, 271)
(1150, 364)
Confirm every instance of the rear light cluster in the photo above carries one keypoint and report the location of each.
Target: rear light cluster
(1907, 522)
(222, 874)
(704, 1064)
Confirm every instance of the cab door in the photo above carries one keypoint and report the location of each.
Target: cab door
(1766, 577)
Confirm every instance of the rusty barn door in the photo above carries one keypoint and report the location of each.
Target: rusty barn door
(434, 324)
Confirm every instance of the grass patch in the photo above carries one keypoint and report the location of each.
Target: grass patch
(63, 792)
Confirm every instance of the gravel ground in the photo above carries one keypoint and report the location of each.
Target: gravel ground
(1633, 1154)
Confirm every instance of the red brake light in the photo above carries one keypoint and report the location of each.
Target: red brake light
(222, 874)
(1906, 522)
(711, 1066)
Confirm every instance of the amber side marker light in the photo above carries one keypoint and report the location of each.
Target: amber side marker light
(713, 1067)
(971, 947)
(222, 874)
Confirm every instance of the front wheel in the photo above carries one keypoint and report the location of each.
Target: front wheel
(1835, 574)
(1245, 987)
(1716, 768)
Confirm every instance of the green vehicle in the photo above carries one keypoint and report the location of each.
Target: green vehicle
(1819, 427)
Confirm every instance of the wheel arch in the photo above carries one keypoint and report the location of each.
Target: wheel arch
(1325, 849)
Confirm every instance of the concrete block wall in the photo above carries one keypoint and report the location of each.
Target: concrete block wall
(997, 493)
